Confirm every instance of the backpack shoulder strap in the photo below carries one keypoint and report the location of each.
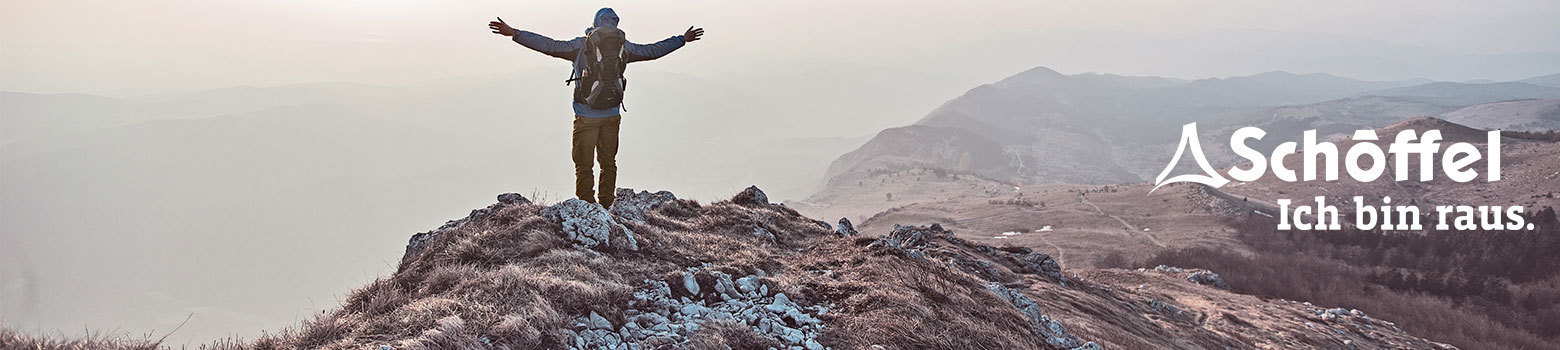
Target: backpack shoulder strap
(574, 72)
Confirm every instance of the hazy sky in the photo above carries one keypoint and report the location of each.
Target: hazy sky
(123, 47)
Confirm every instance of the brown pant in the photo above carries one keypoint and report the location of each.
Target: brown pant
(598, 136)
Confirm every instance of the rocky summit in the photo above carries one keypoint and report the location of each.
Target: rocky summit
(660, 272)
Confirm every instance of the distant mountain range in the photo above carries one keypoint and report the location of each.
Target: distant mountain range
(1552, 80)
(1040, 126)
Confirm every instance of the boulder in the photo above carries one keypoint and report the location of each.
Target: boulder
(631, 206)
(595, 321)
(590, 226)
(747, 285)
(1040, 264)
(1208, 278)
(512, 199)
(912, 236)
(690, 283)
(752, 196)
(845, 228)
(724, 285)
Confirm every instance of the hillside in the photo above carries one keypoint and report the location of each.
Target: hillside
(657, 272)
(1552, 80)
(1470, 93)
(1520, 115)
(1478, 289)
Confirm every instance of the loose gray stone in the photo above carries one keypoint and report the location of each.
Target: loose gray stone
(589, 226)
(598, 322)
(812, 344)
(690, 283)
(845, 228)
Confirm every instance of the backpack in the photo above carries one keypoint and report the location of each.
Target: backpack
(601, 83)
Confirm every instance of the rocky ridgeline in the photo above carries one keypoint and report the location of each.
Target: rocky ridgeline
(1043, 326)
(586, 224)
(662, 314)
(419, 241)
(994, 265)
(979, 260)
(670, 312)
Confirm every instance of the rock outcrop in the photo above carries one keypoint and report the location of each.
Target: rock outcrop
(1037, 263)
(1043, 326)
(845, 228)
(590, 226)
(913, 236)
(631, 206)
(751, 196)
(420, 240)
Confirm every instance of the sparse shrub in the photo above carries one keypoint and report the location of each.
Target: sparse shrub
(1474, 289)
(1115, 259)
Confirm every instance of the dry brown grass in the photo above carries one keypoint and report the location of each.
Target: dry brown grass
(907, 304)
(13, 339)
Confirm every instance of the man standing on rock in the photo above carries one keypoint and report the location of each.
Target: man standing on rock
(599, 59)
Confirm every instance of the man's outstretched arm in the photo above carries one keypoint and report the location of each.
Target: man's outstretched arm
(639, 52)
(561, 49)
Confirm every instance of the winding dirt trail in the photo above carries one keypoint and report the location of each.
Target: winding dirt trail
(983, 217)
(1085, 199)
(1061, 255)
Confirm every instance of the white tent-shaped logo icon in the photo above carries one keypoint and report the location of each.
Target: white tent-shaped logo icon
(1210, 177)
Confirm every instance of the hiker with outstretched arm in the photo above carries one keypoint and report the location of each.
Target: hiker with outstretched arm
(599, 58)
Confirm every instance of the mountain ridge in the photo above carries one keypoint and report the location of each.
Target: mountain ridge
(1103, 129)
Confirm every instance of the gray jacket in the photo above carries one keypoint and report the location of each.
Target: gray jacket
(570, 50)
